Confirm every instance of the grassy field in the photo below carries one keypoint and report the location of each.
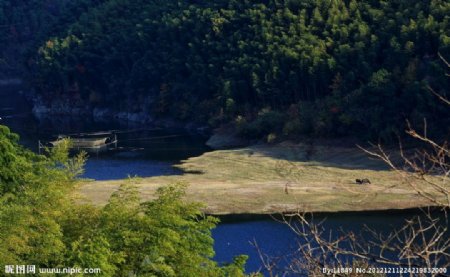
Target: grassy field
(284, 177)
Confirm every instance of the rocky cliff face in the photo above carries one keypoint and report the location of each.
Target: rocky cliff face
(65, 107)
(11, 82)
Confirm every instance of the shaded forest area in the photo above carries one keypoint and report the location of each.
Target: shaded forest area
(26, 24)
(268, 67)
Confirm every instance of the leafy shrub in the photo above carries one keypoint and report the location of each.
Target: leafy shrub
(266, 122)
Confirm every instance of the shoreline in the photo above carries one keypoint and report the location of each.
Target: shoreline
(235, 218)
(274, 178)
(100, 114)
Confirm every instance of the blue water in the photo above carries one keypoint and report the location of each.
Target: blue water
(272, 238)
(113, 169)
(144, 151)
(278, 243)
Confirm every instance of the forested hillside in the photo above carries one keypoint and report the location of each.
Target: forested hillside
(327, 68)
(26, 24)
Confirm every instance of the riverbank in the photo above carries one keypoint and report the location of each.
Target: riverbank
(138, 116)
(267, 179)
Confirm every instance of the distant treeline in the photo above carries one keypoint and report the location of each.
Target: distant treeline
(321, 67)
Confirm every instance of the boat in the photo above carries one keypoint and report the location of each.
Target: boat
(89, 142)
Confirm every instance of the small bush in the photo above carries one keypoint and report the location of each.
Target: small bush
(271, 138)
(266, 122)
(292, 127)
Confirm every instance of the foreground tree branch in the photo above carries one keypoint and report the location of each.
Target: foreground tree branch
(422, 242)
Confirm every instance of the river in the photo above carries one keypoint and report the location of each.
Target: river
(152, 151)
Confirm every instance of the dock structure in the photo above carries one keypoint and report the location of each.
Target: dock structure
(90, 142)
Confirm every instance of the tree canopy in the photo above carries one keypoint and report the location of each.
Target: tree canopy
(327, 68)
(43, 223)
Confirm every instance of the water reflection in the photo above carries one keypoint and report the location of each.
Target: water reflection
(142, 150)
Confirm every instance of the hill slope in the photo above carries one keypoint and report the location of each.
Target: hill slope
(327, 68)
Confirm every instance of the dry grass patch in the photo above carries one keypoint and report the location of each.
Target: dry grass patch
(267, 179)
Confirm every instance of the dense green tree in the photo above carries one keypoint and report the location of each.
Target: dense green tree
(238, 58)
(43, 223)
(26, 24)
(33, 197)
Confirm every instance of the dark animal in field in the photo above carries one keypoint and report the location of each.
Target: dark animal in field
(363, 181)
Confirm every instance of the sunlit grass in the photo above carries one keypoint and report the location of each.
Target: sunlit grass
(255, 180)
